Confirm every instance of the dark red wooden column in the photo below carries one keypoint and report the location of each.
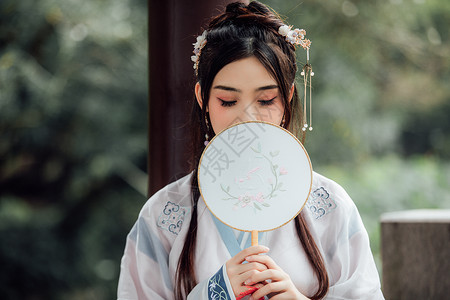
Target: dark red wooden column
(173, 27)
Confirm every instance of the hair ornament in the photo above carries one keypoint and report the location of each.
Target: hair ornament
(297, 37)
(307, 74)
(198, 46)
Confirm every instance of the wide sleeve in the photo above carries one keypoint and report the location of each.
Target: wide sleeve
(153, 248)
(350, 264)
(144, 270)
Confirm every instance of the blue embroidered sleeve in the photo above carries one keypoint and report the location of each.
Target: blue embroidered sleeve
(217, 288)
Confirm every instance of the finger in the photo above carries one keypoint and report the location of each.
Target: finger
(250, 290)
(273, 287)
(233, 270)
(253, 250)
(241, 268)
(263, 259)
(251, 266)
(272, 274)
(242, 272)
(247, 290)
(243, 278)
(238, 274)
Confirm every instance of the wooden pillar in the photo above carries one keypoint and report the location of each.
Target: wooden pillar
(173, 28)
(416, 254)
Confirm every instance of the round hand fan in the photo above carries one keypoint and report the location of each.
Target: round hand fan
(255, 176)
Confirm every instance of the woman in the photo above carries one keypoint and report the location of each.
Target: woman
(246, 67)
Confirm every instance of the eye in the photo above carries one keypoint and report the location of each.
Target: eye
(266, 102)
(227, 103)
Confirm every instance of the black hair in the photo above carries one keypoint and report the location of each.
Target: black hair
(244, 31)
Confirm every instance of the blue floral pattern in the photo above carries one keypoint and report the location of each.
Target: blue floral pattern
(217, 289)
(320, 203)
(172, 217)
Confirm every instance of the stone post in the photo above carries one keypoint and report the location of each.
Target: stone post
(415, 248)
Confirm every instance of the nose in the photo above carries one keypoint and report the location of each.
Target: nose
(252, 113)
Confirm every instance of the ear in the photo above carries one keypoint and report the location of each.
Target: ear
(198, 94)
(291, 92)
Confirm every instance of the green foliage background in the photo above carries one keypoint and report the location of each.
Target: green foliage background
(73, 102)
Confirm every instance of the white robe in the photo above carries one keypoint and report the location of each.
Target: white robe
(155, 242)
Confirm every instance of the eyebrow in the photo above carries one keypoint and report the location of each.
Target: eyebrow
(232, 89)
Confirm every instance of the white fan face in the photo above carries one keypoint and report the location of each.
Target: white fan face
(255, 176)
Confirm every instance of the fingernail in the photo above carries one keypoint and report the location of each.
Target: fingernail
(247, 282)
(265, 248)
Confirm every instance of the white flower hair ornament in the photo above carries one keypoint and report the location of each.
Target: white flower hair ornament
(295, 37)
(198, 46)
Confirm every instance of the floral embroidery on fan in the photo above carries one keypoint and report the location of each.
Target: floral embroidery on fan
(172, 217)
(320, 203)
(217, 290)
(242, 190)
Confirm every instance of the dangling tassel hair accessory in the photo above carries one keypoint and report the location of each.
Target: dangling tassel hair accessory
(307, 74)
(207, 130)
(297, 37)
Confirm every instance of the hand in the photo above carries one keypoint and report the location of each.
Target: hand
(238, 272)
(280, 285)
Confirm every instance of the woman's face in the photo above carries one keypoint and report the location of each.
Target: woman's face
(243, 91)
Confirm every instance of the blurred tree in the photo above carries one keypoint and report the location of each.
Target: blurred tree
(73, 103)
(379, 66)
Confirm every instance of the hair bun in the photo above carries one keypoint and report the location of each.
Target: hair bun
(259, 9)
(255, 7)
(236, 8)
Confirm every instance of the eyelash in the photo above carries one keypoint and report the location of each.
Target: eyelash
(227, 103)
(267, 102)
(261, 102)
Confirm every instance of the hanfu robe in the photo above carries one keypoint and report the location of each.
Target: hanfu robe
(155, 242)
